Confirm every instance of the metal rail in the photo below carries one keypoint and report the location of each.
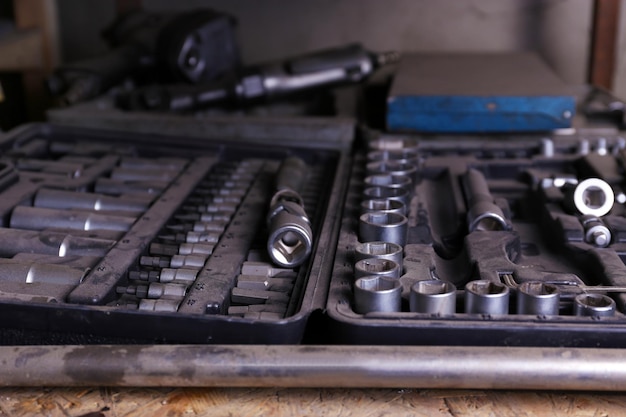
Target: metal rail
(314, 366)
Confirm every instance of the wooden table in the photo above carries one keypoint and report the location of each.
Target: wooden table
(174, 402)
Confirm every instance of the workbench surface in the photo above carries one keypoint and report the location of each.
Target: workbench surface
(174, 402)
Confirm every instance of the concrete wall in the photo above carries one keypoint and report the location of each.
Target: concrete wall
(274, 29)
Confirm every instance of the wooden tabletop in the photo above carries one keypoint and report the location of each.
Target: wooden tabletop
(174, 402)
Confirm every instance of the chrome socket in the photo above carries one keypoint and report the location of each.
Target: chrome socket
(486, 297)
(387, 193)
(380, 250)
(433, 297)
(377, 294)
(386, 227)
(594, 197)
(376, 267)
(385, 206)
(389, 180)
(538, 298)
(594, 305)
(290, 240)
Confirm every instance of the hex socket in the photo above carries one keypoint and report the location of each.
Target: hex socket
(433, 297)
(389, 180)
(382, 250)
(386, 227)
(290, 238)
(392, 168)
(377, 294)
(388, 193)
(376, 267)
(594, 305)
(404, 155)
(538, 298)
(383, 205)
(592, 196)
(486, 297)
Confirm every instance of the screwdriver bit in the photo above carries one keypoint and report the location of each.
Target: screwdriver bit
(265, 269)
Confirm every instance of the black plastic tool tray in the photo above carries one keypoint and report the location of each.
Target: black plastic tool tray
(88, 291)
(545, 243)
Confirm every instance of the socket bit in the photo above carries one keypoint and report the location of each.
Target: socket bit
(181, 249)
(255, 282)
(159, 305)
(176, 261)
(246, 296)
(166, 275)
(204, 217)
(197, 227)
(36, 218)
(256, 308)
(266, 270)
(156, 290)
(192, 237)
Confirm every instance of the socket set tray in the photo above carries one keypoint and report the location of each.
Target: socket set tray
(120, 237)
(484, 241)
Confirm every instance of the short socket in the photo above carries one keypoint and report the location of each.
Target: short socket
(433, 297)
(392, 168)
(391, 144)
(382, 250)
(383, 205)
(595, 305)
(538, 298)
(387, 193)
(386, 227)
(377, 294)
(376, 267)
(389, 180)
(486, 297)
(405, 155)
(594, 197)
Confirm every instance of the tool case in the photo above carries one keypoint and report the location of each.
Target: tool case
(122, 237)
(114, 236)
(509, 241)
